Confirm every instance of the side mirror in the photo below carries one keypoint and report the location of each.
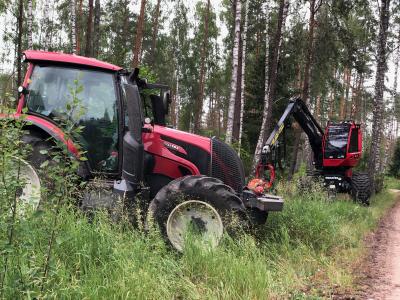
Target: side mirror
(23, 90)
(166, 100)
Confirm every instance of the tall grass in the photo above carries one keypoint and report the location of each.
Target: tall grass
(307, 250)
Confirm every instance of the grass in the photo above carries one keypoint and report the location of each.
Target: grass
(305, 252)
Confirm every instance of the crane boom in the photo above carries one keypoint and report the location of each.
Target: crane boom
(299, 110)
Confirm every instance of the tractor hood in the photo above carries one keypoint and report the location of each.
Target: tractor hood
(179, 153)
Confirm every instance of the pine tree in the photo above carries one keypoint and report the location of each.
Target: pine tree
(89, 30)
(139, 36)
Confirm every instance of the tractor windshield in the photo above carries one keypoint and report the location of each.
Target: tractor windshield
(336, 141)
(86, 97)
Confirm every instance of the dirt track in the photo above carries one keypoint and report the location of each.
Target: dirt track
(382, 273)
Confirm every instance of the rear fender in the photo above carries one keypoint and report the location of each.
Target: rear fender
(45, 129)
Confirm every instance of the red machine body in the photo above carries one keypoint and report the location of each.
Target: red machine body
(350, 144)
(336, 150)
(169, 153)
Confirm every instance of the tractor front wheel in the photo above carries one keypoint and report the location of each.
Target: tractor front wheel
(199, 205)
(361, 187)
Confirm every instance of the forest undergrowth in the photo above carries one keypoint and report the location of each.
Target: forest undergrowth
(58, 252)
(308, 250)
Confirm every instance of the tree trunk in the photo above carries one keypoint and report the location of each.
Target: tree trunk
(342, 98)
(348, 83)
(199, 103)
(377, 126)
(396, 103)
(318, 104)
(271, 84)
(73, 26)
(243, 82)
(139, 36)
(235, 66)
(46, 25)
(89, 29)
(78, 25)
(155, 33)
(96, 28)
(177, 99)
(236, 116)
(19, 40)
(305, 94)
(30, 19)
(267, 100)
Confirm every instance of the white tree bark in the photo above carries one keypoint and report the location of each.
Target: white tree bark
(260, 141)
(377, 125)
(391, 120)
(177, 99)
(73, 24)
(46, 25)
(29, 23)
(235, 63)
(396, 72)
(243, 83)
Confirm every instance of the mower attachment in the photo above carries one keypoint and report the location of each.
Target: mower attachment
(264, 202)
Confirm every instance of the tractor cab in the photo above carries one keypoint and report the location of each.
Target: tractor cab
(342, 144)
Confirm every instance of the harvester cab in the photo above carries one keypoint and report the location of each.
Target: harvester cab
(180, 179)
(336, 150)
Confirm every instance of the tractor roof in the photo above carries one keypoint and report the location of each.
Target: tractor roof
(57, 57)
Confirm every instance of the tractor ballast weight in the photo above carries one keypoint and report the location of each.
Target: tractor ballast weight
(182, 178)
(336, 150)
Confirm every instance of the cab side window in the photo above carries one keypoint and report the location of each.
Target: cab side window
(50, 95)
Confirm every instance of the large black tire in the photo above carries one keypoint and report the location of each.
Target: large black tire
(361, 187)
(202, 188)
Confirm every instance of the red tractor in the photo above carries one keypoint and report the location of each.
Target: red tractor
(185, 179)
(335, 151)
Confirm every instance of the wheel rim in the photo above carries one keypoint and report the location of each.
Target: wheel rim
(196, 217)
(29, 191)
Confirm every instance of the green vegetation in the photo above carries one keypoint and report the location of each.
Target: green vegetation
(307, 250)
(394, 168)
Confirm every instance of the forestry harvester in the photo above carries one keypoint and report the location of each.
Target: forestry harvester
(336, 151)
(185, 180)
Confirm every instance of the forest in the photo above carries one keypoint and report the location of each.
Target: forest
(231, 66)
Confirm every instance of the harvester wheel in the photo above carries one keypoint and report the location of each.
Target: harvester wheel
(197, 204)
(361, 187)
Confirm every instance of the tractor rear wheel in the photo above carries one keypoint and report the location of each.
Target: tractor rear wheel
(195, 204)
(361, 187)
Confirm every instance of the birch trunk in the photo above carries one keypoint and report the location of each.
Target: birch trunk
(29, 23)
(198, 107)
(377, 124)
(177, 101)
(243, 82)
(46, 25)
(395, 96)
(139, 36)
(235, 63)
(19, 40)
(73, 26)
(267, 103)
(390, 122)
